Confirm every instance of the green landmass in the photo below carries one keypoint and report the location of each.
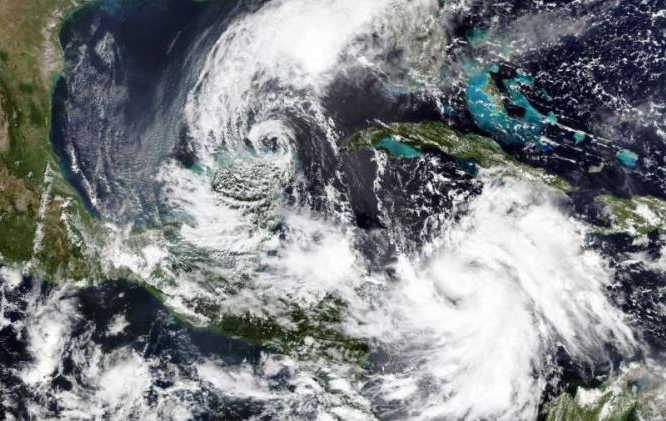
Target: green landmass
(35, 224)
(637, 394)
(306, 331)
(609, 407)
(638, 215)
(310, 331)
(480, 150)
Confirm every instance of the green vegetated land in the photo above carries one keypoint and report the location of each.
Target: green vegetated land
(37, 206)
(470, 150)
(633, 215)
(633, 395)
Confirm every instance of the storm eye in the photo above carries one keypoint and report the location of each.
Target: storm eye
(271, 143)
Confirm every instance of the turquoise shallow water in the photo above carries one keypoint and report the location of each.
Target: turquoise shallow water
(491, 116)
(397, 149)
(627, 158)
(476, 37)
